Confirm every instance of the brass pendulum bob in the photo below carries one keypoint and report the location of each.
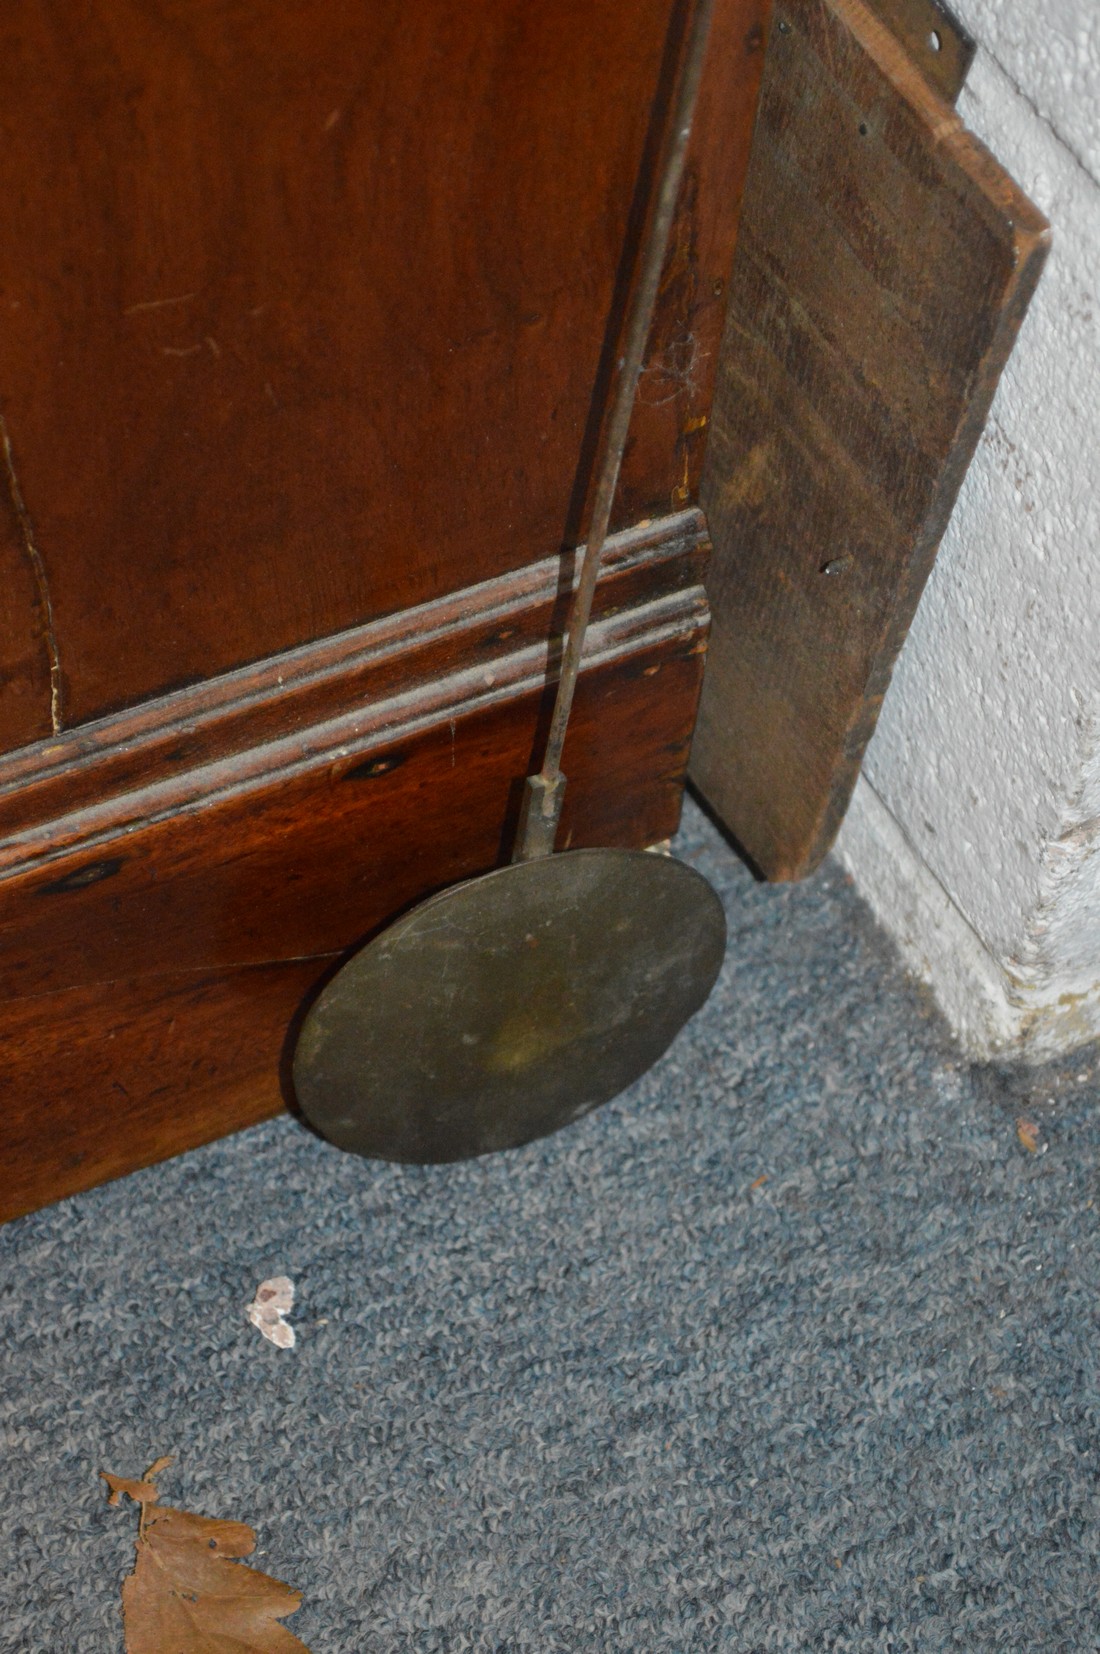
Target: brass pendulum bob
(513, 1003)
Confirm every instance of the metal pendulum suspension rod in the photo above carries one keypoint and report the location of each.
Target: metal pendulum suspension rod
(545, 791)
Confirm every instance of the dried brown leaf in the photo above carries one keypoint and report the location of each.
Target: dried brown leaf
(143, 1492)
(188, 1593)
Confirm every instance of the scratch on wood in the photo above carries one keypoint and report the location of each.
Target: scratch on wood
(158, 304)
(39, 569)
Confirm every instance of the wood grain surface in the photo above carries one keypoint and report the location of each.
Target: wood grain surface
(306, 307)
(118, 1075)
(884, 265)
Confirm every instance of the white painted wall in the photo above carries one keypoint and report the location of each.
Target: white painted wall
(975, 830)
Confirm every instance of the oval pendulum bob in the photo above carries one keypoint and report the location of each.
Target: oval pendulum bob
(508, 1006)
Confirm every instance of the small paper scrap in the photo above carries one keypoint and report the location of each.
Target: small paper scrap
(273, 1301)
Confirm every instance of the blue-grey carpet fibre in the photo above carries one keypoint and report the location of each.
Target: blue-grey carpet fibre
(792, 1347)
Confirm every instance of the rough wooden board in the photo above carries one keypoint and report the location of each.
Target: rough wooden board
(936, 41)
(884, 265)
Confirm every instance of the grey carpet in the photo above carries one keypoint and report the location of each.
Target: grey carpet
(792, 1347)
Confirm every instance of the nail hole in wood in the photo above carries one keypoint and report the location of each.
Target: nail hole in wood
(91, 873)
(372, 768)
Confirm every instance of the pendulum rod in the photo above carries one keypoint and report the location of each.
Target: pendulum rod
(544, 792)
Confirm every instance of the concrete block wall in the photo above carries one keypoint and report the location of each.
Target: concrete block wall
(975, 830)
